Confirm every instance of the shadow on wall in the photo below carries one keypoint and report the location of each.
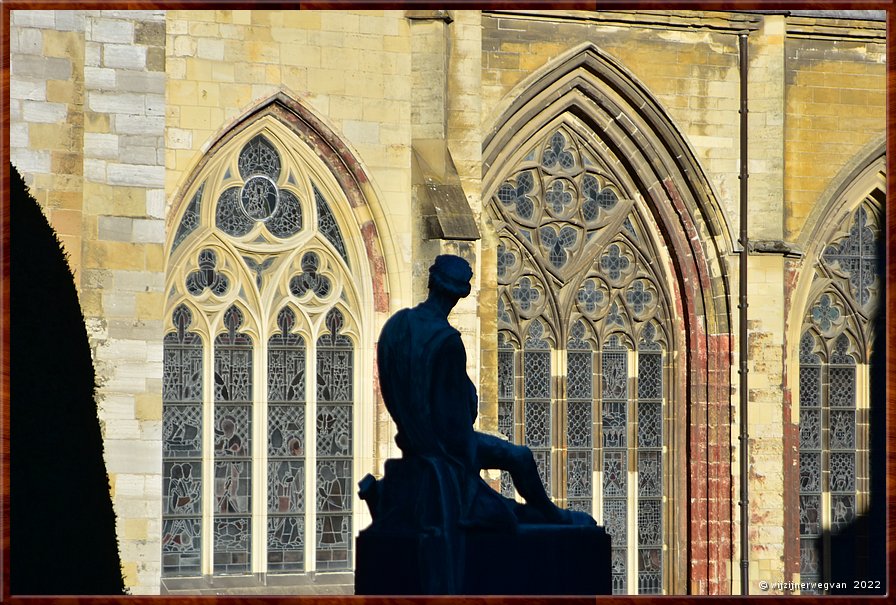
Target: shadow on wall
(62, 526)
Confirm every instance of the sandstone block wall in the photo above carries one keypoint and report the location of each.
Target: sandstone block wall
(111, 110)
(88, 106)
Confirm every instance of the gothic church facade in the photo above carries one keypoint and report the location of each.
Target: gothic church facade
(246, 196)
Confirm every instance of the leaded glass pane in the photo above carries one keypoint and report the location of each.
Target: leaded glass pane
(505, 375)
(335, 367)
(810, 429)
(615, 521)
(843, 511)
(842, 429)
(578, 473)
(537, 371)
(810, 386)
(543, 464)
(310, 279)
(557, 153)
(843, 387)
(650, 523)
(334, 436)
(579, 376)
(516, 196)
(258, 156)
(614, 422)
(615, 374)
(538, 424)
(286, 543)
(843, 472)
(810, 515)
(327, 225)
(650, 478)
(190, 220)
(286, 447)
(229, 215)
(207, 276)
(596, 198)
(333, 544)
(579, 424)
(506, 404)
(615, 473)
(181, 448)
(286, 221)
(231, 539)
(650, 425)
(650, 571)
(181, 546)
(856, 256)
(810, 559)
(259, 198)
(286, 431)
(650, 376)
(182, 430)
(810, 471)
(232, 447)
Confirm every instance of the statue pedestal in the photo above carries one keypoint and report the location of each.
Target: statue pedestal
(534, 559)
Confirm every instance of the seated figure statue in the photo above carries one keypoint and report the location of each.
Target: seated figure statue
(436, 486)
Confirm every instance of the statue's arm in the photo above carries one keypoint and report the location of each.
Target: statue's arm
(453, 398)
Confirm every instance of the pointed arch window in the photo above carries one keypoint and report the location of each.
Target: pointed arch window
(260, 392)
(834, 353)
(583, 344)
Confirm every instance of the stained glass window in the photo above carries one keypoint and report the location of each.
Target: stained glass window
(260, 199)
(506, 402)
(276, 493)
(335, 365)
(579, 423)
(286, 447)
(650, 464)
(182, 448)
(614, 430)
(233, 452)
(327, 225)
(190, 220)
(564, 271)
(537, 400)
(831, 458)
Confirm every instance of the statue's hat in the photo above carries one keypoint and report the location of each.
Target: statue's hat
(452, 274)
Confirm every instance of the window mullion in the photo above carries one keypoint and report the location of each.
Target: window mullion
(259, 555)
(311, 455)
(208, 456)
(632, 484)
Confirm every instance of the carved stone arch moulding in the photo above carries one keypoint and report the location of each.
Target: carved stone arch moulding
(586, 115)
(334, 168)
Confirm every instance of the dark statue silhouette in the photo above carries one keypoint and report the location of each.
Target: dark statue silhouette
(432, 505)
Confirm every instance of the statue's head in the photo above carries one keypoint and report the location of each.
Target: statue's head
(450, 275)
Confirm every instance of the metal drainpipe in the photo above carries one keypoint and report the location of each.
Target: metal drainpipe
(742, 343)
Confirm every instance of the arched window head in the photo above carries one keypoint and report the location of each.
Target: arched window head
(578, 286)
(263, 251)
(838, 333)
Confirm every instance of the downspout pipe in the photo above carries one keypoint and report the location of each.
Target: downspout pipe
(744, 436)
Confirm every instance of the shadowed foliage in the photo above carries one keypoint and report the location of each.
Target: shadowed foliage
(62, 538)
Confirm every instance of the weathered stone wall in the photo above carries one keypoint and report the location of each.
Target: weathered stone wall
(816, 100)
(112, 110)
(835, 104)
(89, 125)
